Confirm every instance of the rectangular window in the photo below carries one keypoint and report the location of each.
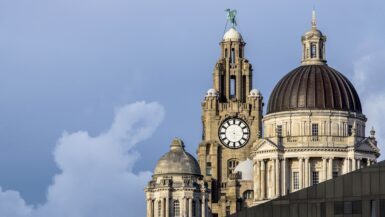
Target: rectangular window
(314, 129)
(382, 208)
(314, 132)
(338, 208)
(279, 130)
(315, 177)
(347, 207)
(357, 207)
(208, 169)
(350, 132)
(373, 208)
(295, 180)
(335, 174)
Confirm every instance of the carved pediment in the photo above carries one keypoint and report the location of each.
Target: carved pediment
(266, 145)
(367, 145)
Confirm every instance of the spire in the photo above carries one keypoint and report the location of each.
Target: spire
(314, 20)
(313, 44)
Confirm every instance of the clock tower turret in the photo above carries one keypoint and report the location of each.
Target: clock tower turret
(231, 118)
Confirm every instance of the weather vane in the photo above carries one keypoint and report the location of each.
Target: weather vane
(231, 14)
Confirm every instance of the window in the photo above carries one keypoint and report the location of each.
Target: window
(315, 177)
(279, 130)
(232, 87)
(176, 209)
(295, 181)
(335, 174)
(373, 208)
(232, 55)
(357, 207)
(313, 50)
(208, 169)
(231, 164)
(382, 208)
(338, 208)
(350, 132)
(248, 195)
(314, 132)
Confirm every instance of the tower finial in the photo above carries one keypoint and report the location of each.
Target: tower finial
(314, 20)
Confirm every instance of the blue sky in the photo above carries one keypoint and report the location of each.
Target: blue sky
(68, 66)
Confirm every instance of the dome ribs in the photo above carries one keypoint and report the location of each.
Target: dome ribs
(314, 87)
(302, 93)
(311, 89)
(294, 92)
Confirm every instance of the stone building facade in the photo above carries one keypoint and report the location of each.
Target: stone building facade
(231, 118)
(177, 188)
(313, 131)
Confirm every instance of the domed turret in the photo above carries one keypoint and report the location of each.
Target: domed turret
(232, 35)
(177, 161)
(314, 85)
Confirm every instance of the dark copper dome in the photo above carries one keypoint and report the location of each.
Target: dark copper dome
(314, 87)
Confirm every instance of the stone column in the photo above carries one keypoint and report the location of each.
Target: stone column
(257, 180)
(203, 205)
(167, 207)
(162, 207)
(349, 166)
(183, 207)
(277, 178)
(284, 177)
(190, 209)
(197, 208)
(307, 178)
(354, 164)
(300, 173)
(263, 178)
(368, 162)
(330, 168)
(324, 169)
(149, 208)
(358, 163)
(272, 183)
(152, 208)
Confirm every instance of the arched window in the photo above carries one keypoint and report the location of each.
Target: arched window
(176, 208)
(231, 164)
(232, 55)
(159, 209)
(248, 195)
(313, 53)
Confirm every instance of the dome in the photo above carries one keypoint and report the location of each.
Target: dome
(177, 161)
(255, 92)
(246, 168)
(232, 35)
(212, 92)
(314, 87)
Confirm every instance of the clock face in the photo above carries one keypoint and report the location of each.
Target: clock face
(234, 133)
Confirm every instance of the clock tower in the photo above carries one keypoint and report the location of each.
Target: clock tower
(231, 118)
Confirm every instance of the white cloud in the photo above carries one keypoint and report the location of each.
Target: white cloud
(369, 78)
(96, 178)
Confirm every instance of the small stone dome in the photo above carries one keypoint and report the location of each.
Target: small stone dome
(232, 35)
(255, 92)
(246, 168)
(177, 161)
(212, 92)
